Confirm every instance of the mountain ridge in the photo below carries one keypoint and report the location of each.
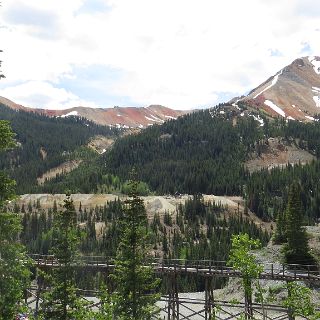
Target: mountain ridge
(120, 117)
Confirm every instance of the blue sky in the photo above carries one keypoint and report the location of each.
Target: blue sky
(183, 54)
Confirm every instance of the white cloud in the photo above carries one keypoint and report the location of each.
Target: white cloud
(180, 53)
(40, 94)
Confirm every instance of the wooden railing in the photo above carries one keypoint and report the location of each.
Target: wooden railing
(273, 271)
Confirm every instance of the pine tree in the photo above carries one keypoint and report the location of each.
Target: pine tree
(14, 273)
(133, 276)
(61, 302)
(296, 249)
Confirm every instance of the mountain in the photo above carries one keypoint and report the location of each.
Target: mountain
(124, 117)
(293, 92)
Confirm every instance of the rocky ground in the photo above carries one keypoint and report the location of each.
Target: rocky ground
(278, 153)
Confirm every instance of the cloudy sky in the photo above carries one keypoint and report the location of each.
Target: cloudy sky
(179, 53)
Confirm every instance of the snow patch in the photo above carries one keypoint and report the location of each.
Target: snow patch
(290, 118)
(72, 113)
(170, 117)
(274, 81)
(257, 118)
(316, 64)
(141, 126)
(316, 98)
(123, 126)
(275, 107)
(119, 115)
(103, 151)
(156, 118)
(222, 112)
(235, 104)
(150, 118)
(317, 101)
(310, 118)
(293, 106)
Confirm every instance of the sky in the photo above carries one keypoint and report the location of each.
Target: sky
(183, 54)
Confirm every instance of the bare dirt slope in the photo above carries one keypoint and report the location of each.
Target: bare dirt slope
(63, 168)
(100, 143)
(278, 153)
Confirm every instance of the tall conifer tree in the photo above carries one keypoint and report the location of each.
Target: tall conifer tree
(134, 278)
(14, 273)
(61, 302)
(296, 249)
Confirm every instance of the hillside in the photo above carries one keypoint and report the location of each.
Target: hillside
(277, 152)
(45, 143)
(293, 92)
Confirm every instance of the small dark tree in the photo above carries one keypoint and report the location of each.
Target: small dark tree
(133, 276)
(296, 250)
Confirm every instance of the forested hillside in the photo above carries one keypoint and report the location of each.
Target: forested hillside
(203, 152)
(206, 152)
(44, 143)
(200, 152)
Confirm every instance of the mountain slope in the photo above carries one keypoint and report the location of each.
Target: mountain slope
(44, 143)
(123, 117)
(293, 92)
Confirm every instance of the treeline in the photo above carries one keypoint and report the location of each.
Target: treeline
(44, 143)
